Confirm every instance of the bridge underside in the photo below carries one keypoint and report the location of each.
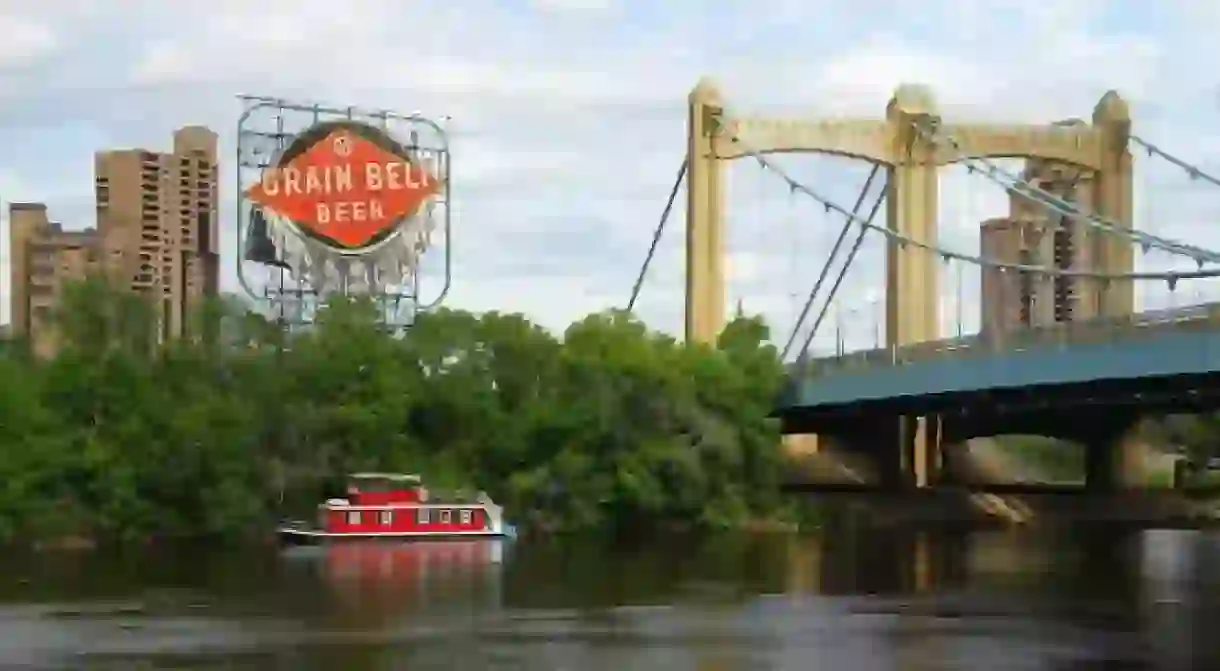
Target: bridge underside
(978, 369)
(890, 437)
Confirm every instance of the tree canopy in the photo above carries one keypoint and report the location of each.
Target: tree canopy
(226, 430)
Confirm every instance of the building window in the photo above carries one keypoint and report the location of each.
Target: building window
(423, 515)
(353, 517)
(387, 518)
(446, 516)
(465, 517)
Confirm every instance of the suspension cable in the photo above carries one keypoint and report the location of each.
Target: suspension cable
(1194, 171)
(1148, 241)
(947, 254)
(904, 240)
(656, 236)
(834, 252)
(1013, 183)
(834, 288)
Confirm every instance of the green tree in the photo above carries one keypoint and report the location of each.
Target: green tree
(607, 424)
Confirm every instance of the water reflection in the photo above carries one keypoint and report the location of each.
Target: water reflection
(845, 599)
(377, 584)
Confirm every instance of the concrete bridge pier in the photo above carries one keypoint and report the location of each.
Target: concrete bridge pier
(1113, 456)
(911, 452)
(1114, 463)
(924, 463)
(952, 458)
(865, 453)
(892, 453)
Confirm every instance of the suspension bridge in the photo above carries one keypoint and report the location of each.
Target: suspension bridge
(1063, 353)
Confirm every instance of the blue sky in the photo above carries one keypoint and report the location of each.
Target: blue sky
(568, 116)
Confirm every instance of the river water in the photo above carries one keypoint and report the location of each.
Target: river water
(853, 601)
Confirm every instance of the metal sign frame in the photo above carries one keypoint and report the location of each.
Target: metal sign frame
(265, 128)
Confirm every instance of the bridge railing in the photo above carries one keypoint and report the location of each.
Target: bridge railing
(1095, 331)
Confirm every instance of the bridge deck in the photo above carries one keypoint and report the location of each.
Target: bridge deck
(1141, 346)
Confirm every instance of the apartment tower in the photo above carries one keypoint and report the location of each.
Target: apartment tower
(1034, 235)
(158, 212)
(156, 234)
(43, 257)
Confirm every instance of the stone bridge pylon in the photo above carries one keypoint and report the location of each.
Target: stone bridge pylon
(912, 161)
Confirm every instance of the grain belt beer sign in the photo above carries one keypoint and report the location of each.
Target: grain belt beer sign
(346, 194)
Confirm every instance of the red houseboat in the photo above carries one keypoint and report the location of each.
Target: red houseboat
(399, 507)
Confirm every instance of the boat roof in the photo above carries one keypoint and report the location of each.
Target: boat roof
(391, 477)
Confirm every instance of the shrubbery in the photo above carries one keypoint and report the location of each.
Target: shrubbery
(221, 433)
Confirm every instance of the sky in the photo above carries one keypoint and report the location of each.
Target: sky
(567, 121)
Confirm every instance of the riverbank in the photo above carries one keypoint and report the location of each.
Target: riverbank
(779, 524)
(913, 509)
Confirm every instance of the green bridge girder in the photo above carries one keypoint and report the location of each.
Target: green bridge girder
(1179, 342)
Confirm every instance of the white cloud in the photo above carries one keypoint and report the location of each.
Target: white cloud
(586, 7)
(25, 41)
(861, 80)
(568, 116)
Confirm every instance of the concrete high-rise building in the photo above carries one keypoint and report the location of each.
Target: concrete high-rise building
(42, 258)
(160, 210)
(1006, 298)
(1034, 235)
(156, 234)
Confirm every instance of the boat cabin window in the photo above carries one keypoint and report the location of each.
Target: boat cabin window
(446, 516)
(466, 517)
(353, 517)
(423, 515)
(387, 518)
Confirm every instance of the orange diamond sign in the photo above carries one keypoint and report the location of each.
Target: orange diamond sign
(346, 185)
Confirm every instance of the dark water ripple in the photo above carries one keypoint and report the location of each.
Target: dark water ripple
(873, 601)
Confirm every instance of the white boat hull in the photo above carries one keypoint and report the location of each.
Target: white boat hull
(299, 536)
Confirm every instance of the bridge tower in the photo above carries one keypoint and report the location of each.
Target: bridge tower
(705, 294)
(912, 160)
